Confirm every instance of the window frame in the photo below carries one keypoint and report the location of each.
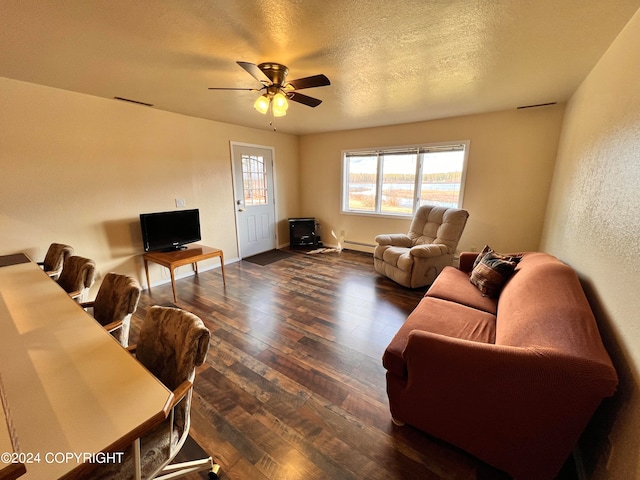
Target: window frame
(254, 180)
(380, 151)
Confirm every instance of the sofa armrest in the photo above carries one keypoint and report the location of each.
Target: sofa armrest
(396, 239)
(517, 368)
(535, 402)
(429, 250)
(466, 261)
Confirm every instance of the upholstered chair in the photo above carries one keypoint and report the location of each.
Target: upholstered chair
(171, 344)
(116, 301)
(416, 258)
(54, 259)
(77, 276)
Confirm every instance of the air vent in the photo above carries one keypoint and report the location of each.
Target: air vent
(134, 101)
(537, 105)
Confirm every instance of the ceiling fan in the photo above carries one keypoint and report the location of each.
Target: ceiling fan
(277, 90)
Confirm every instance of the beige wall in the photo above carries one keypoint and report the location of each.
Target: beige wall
(510, 165)
(78, 169)
(593, 224)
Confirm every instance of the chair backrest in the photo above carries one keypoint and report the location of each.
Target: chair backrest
(117, 297)
(77, 274)
(56, 255)
(438, 225)
(171, 344)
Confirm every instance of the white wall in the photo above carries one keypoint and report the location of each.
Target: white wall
(510, 166)
(78, 169)
(593, 224)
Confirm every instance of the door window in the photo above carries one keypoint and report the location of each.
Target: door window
(254, 180)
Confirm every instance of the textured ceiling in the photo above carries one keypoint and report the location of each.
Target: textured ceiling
(389, 62)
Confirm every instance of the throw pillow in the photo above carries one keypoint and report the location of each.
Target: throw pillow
(481, 255)
(492, 271)
(487, 249)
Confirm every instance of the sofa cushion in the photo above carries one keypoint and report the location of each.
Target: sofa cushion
(441, 317)
(453, 285)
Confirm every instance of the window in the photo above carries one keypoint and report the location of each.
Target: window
(254, 178)
(397, 181)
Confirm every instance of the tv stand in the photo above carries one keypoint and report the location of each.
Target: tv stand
(173, 259)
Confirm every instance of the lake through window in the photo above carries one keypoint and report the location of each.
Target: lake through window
(397, 181)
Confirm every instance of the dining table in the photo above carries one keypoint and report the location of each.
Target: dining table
(76, 398)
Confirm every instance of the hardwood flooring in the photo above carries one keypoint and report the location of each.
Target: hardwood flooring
(293, 386)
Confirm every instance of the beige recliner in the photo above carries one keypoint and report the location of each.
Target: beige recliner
(415, 259)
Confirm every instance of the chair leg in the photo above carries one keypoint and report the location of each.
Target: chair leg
(136, 459)
(176, 470)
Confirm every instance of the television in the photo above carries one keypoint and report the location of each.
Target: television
(169, 230)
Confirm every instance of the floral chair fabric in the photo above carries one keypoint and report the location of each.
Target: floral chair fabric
(114, 304)
(53, 261)
(77, 276)
(171, 343)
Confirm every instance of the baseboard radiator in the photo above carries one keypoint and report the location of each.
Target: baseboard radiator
(360, 244)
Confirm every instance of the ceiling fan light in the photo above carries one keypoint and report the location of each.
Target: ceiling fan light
(280, 101)
(262, 104)
(278, 112)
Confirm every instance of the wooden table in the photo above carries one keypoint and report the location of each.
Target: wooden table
(73, 391)
(177, 258)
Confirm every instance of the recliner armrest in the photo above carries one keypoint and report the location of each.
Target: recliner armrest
(396, 239)
(429, 250)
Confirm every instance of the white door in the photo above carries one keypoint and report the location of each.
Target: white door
(254, 198)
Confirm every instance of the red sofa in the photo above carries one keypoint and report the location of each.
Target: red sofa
(512, 380)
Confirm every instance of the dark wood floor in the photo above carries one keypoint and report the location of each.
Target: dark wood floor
(293, 386)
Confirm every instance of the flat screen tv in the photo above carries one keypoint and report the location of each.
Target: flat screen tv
(169, 230)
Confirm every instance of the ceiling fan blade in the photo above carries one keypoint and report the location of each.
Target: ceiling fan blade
(233, 88)
(253, 70)
(304, 99)
(310, 82)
